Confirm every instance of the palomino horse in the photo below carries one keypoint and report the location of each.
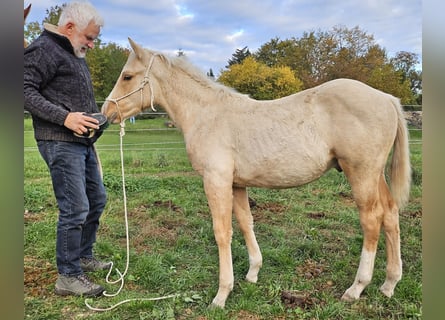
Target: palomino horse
(26, 12)
(235, 142)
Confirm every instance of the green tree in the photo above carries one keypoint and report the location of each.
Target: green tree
(210, 74)
(34, 29)
(260, 81)
(277, 52)
(406, 62)
(386, 79)
(239, 56)
(105, 61)
(321, 56)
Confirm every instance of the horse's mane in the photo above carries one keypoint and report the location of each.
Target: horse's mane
(185, 66)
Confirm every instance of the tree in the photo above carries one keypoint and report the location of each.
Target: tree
(406, 63)
(238, 57)
(260, 81)
(386, 79)
(321, 56)
(34, 29)
(180, 53)
(105, 61)
(210, 74)
(275, 52)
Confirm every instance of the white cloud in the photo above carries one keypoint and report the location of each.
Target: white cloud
(183, 12)
(234, 36)
(210, 31)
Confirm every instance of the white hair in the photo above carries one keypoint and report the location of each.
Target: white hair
(81, 14)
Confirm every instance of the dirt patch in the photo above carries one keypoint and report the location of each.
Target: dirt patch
(39, 276)
(245, 315)
(316, 215)
(271, 206)
(311, 269)
(347, 198)
(32, 216)
(268, 212)
(314, 269)
(298, 299)
(306, 299)
(167, 204)
(412, 214)
(161, 227)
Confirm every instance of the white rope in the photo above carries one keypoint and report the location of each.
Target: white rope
(128, 300)
(122, 275)
(145, 80)
(124, 192)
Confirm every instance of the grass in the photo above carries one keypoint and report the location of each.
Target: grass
(310, 239)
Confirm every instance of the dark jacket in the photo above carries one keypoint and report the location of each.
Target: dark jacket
(56, 82)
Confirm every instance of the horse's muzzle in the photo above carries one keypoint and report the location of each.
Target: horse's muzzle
(112, 117)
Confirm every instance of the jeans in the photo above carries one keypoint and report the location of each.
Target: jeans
(81, 199)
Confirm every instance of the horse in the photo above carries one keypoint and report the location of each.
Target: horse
(235, 142)
(26, 12)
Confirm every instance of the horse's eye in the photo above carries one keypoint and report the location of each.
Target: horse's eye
(127, 77)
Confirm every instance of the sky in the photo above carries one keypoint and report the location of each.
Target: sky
(209, 32)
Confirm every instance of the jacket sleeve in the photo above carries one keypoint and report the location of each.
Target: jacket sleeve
(39, 69)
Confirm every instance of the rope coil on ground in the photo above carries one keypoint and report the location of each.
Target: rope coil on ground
(122, 275)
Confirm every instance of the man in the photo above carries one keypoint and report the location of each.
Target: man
(59, 95)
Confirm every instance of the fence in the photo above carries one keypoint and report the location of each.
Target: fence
(150, 114)
(179, 144)
(174, 145)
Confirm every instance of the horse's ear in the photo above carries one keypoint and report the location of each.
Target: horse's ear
(138, 50)
(26, 11)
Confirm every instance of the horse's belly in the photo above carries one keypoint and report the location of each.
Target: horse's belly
(281, 176)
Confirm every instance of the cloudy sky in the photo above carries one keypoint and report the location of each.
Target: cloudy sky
(209, 32)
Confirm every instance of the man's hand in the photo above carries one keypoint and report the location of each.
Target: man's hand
(79, 123)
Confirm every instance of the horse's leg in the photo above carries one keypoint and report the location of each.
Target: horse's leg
(245, 220)
(219, 196)
(365, 189)
(392, 239)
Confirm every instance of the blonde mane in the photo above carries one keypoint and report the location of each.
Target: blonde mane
(183, 64)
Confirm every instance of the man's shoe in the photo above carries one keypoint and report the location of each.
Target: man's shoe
(92, 264)
(77, 286)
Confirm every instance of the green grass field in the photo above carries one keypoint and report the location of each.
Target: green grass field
(310, 239)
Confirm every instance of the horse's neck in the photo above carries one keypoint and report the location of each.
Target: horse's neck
(186, 99)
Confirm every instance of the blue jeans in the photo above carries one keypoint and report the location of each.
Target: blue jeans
(81, 199)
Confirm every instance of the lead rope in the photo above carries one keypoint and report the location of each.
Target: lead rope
(144, 81)
(122, 275)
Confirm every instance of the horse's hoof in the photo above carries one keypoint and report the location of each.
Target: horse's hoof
(347, 297)
(214, 306)
(252, 279)
(387, 291)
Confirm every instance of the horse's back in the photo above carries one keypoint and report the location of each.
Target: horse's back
(349, 97)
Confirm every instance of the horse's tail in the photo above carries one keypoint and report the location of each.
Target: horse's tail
(400, 165)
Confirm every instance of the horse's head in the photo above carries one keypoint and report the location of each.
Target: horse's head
(26, 12)
(127, 97)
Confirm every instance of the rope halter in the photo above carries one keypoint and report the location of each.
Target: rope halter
(145, 80)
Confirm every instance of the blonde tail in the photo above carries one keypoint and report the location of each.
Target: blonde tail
(400, 166)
